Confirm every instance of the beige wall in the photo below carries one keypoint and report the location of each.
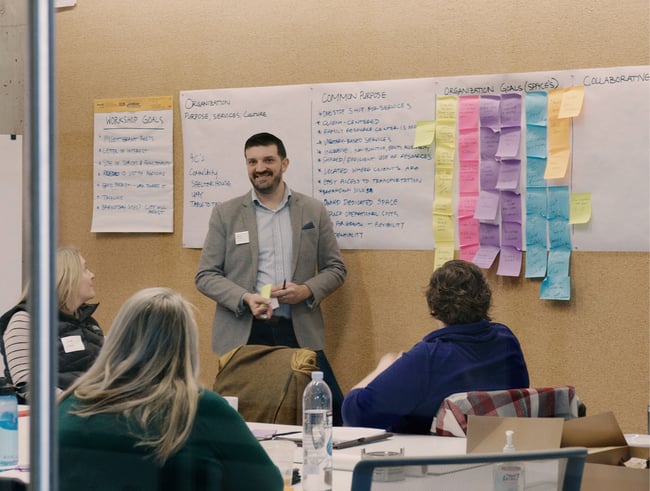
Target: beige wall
(598, 341)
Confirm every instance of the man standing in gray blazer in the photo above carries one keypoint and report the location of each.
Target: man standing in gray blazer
(269, 236)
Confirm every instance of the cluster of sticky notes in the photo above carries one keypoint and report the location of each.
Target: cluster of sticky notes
(468, 176)
(551, 208)
(498, 207)
(444, 157)
(485, 133)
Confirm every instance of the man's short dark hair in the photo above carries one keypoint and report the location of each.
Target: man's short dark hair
(458, 293)
(265, 140)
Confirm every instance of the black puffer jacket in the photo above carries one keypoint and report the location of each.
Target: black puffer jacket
(79, 342)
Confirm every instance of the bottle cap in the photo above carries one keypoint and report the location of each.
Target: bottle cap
(317, 375)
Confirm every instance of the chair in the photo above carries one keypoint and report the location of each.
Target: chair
(544, 402)
(268, 380)
(558, 469)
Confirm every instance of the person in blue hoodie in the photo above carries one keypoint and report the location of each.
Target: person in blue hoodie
(467, 352)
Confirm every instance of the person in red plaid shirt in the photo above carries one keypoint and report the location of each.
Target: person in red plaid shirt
(466, 352)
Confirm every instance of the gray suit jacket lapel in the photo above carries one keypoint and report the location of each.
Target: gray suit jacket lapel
(250, 222)
(296, 210)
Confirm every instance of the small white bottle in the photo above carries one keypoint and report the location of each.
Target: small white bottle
(317, 435)
(509, 476)
(8, 425)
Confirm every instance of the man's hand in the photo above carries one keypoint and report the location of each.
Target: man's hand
(259, 306)
(291, 293)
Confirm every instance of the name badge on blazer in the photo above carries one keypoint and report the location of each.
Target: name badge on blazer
(242, 237)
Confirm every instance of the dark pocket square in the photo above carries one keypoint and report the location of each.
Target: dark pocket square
(307, 226)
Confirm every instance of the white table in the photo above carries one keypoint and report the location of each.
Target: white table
(344, 460)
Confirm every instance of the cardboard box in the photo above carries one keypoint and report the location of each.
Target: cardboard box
(607, 450)
(601, 435)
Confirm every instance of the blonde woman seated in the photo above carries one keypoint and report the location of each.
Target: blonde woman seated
(138, 418)
(79, 337)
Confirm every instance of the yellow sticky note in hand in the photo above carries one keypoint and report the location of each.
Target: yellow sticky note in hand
(266, 291)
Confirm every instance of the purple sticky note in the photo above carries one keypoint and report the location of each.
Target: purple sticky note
(489, 142)
(489, 174)
(509, 174)
(485, 256)
(487, 205)
(489, 234)
(510, 207)
(511, 235)
(489, 111)
(509, 262)
(509, 142)
(510, 110)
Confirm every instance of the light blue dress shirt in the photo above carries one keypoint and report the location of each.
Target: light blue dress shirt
(275, 246)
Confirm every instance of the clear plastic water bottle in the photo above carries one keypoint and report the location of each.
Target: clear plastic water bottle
(317, 435)
(8, 425)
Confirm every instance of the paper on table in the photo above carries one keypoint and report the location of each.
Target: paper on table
(345, 436)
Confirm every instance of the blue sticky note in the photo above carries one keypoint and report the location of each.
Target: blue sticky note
(559, 233)
(559, 202)
(535, 168)
(536, 202)
(556, 288)
(558, 262)
(536, 108)
(536, 141)
(536, 231)
(536, 262)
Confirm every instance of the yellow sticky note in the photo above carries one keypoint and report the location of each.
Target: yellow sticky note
(443, 229)
(559, 134)
(554, 102)
(446, 134)
(571, 104)
(444, 182)
(580, 208)
(444, 252)
(442, 206)
(445, 157)
(266, 291)
(424, 133)
(446, 107)
(556, 165)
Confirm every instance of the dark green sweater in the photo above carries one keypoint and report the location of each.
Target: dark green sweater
(98, 453)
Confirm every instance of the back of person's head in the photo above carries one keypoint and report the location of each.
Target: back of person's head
(458, 293)
(68, 274)
(153, 336)
(147, 370)
(265, 140)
